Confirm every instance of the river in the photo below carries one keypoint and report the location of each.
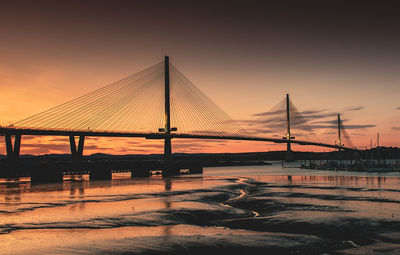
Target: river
(252, 209)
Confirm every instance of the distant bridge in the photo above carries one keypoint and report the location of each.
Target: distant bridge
(142, 105)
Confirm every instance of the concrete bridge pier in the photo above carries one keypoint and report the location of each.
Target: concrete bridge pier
(340, 155)
(12, 149)
(289, 155)
(288, 138)
(76, 153)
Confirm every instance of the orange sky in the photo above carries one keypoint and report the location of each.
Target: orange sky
(53, 52)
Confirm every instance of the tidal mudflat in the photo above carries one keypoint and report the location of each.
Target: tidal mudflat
(258, 210)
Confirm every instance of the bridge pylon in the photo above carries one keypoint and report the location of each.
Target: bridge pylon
(167, 141)
(169, 166)
(288, 138)
(339, 126)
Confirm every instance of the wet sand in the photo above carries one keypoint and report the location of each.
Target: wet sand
(274, 212)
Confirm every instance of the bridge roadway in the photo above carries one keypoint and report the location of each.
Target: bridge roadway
(63, 132)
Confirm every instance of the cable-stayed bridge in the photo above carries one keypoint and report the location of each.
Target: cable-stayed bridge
(156, 103)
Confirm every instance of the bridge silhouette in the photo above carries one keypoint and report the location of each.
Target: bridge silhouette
(156, 103)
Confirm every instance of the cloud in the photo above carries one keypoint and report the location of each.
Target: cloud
(60, 139)
(396, 128)
(354, 108)
(134, 142)
(308, 114)
(28, 137)
(300, 117)
(328, 121)
(189, 147)
(358, 126)
(193, 141)
(46, 146)
(306, 122)
(271, 113)
(398, 108)
(358, 134)
(259, 130)
(344, 126)
(329, 133)
(319, 115)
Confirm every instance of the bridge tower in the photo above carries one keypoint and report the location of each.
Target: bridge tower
(377, 140)
(169, 166)
(339, 131)
(167, 128)
(340, 145)
(289, 154)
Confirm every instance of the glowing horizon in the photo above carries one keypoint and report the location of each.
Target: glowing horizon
(54, 52)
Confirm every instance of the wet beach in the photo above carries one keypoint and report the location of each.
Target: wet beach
(254, 209)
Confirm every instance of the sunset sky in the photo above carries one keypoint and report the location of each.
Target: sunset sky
(330, 56)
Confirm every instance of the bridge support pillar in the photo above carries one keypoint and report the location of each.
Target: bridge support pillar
(80, 145)
(289, 154)
(76, 153)
(340, 154)
(13, 151)
(9, 146)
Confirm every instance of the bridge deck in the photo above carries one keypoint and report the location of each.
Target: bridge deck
(62, 132)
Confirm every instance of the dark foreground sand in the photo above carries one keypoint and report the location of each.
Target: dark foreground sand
(210, 215)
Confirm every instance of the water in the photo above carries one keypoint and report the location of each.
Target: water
(255, 209)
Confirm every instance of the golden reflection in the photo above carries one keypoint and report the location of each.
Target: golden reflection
(168, 184)
(74, 188)
(167, 205)
(62, 212)
(11, 190)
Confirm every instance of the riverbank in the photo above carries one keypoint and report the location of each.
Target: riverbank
(374, 166)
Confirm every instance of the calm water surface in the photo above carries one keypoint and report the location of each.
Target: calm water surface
(255, 209)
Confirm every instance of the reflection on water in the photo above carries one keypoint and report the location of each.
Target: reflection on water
(256, 209)
(76, 191)
(12, 191)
